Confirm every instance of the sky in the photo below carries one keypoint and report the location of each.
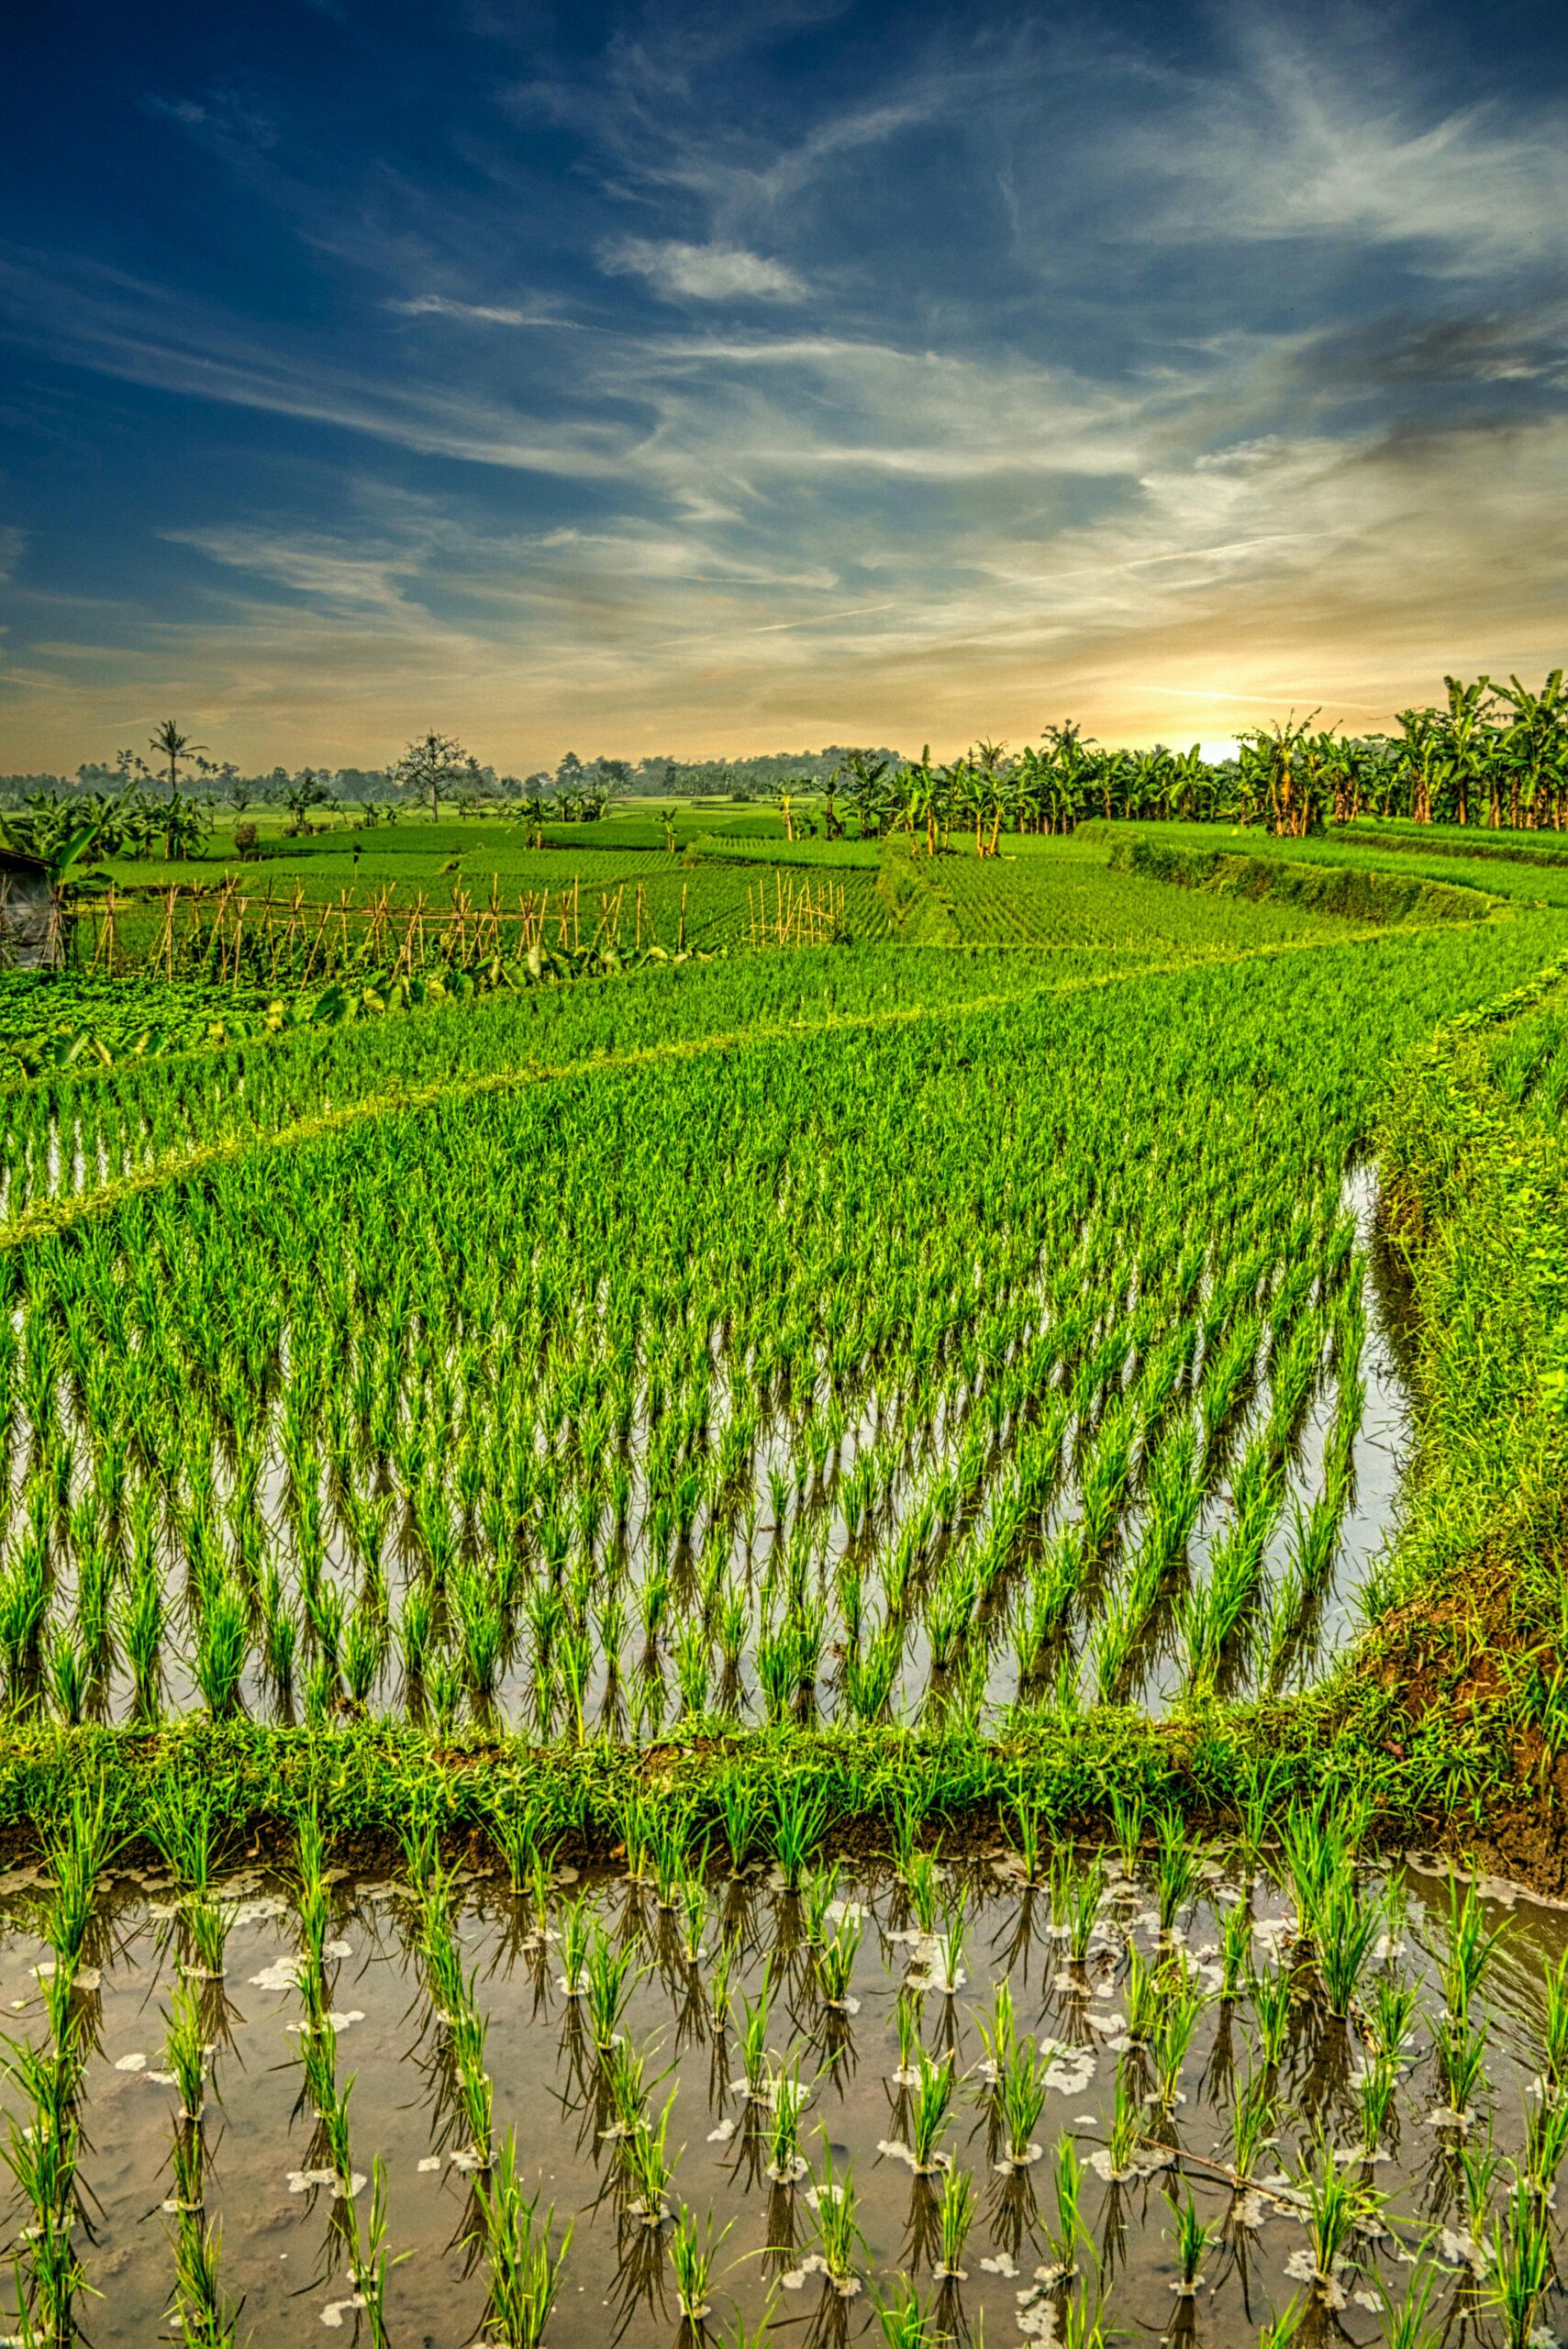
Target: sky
(701, 377)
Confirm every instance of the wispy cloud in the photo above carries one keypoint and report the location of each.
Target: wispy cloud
(484, 313)
(703, 272)
(1000, 369)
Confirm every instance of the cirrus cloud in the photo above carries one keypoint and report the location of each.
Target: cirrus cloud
(703, 272)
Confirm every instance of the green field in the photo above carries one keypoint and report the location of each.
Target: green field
(1046, 1406)
(1032, 1299)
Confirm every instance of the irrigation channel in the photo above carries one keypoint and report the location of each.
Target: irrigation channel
(306, 2104)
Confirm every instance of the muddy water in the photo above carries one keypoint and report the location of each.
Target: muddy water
(282, 2248)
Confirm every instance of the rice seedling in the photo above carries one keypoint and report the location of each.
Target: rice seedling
(1521, 2265)
(223, 1648)
(835, 1963)
(754, 2049)
(838, 2229)
(1025, 1824)
(788, 2096)
(1282, 2330)
(1253, 2121)
(1336, 2208)
(1346, 1929)
(1144, 1993)
(906, 2021)
(1127, 1815)
(1469, 1951)
(1392, 2016)
(955, 2216)
(817, 1897)
(1173, 2038)
(692, 2256)
(1546, 2141)
(739, 1805)
(720, 1980)
(1076, 1895)
(1409, 2322)
(923, 1882)
(930, 2102)
(1126, 2125)
(1020, 2100)
(69, 1678)
(610, 1975)
(76, 1853)
(1375, 2094)
(1480, 2164)
(1461, 2056)
(185, 2046)
(205, 2316)
(1235, 1947)
(1192, 2239)
(905, 2324)
(1176, 1869)
(948, 1975)
(691, 1906)
(573, 1941)
(669, 1857)
(651, 2165)
(372, 2262)
(524, 2274)
(1273, 1994)
(799, 1816)
(1064, 2238)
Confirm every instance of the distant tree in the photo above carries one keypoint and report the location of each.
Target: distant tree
(434, 764)
(177, 749)
(305, 791)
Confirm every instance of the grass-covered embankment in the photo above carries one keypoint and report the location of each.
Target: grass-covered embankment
(1471, 1612)
(368, 1776)
(1350, 891)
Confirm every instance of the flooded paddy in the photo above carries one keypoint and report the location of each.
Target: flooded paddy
(1033, 2106)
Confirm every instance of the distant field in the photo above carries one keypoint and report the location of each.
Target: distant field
(1036, 892)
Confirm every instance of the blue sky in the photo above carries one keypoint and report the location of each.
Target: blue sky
(715, 377)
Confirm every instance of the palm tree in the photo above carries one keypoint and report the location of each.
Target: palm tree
(171, 744)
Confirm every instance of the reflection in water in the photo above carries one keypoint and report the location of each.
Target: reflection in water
(1197, 2104)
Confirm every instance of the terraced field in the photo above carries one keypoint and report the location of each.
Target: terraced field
(818, 1593)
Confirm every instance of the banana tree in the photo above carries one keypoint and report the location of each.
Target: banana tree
(1533, 745)
(921, 792)
(1466, 729)
(862, 780)
(1280, 774)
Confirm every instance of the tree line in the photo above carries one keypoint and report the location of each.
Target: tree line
(1489, 754)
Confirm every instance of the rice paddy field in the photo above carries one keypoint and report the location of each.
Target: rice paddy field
(856, 1641)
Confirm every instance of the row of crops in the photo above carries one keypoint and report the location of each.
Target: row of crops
(648, 1599)
(78, 1129)
(1040, 2092)
(854, 1371)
